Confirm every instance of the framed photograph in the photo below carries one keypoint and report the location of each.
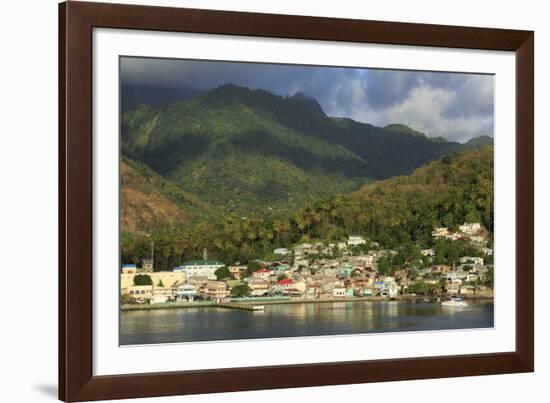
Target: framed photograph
(253, 201)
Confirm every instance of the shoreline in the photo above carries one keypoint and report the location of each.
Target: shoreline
(203, 304)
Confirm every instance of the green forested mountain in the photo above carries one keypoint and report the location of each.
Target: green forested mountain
(253, 153)
(149, 201)
(395, 212)
(455, 189)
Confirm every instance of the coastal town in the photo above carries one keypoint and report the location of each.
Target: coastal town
(352, 269)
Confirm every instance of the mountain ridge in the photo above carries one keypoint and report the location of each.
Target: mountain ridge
(253, 152)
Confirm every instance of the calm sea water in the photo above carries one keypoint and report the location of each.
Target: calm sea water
(288, 320)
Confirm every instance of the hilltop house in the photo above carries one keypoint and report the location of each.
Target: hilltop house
(354, 240)
(471, 260)
(470, 228)
(440, 232)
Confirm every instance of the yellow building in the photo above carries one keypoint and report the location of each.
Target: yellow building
(163, 278)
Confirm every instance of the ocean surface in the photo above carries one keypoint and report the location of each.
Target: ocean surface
(293, 320)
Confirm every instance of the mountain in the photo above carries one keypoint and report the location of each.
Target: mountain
(149, 201)
(478, 142)
(454, 189)
(395, 212)
(255, 153)
(133, 95)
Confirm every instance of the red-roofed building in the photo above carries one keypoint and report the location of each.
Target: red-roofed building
(286, 284)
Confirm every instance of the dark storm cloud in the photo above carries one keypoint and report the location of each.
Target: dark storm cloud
(455, 106)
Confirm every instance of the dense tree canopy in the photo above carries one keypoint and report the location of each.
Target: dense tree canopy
(397, 213)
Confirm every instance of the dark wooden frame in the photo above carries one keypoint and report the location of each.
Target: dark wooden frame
(76, 22)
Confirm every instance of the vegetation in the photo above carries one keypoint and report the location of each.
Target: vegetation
(240, 290)
(254, 154)
(398, 213)
(142, 279)
(126, 299)
(223, 273)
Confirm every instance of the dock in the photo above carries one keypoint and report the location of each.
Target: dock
(242, 307)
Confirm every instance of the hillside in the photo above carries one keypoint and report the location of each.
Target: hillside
(397, 211)
(266, 155)
(149, 201)
(455, 189)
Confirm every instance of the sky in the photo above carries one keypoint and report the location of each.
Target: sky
(456, 106)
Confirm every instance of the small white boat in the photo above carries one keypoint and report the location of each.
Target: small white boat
(455, 303)
(258, 308)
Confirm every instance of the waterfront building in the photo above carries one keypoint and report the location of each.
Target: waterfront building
(215, 291)
(366, 292)
(162, 295)
(129, 269)
(339, 292)
(139, 291)
(205, 267)
(168, 278)
(186, 292)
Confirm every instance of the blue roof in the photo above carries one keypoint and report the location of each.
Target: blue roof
(129, 266)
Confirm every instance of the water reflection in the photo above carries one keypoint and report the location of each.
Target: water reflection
(287, 320)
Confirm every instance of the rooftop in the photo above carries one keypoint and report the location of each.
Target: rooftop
(209, 262)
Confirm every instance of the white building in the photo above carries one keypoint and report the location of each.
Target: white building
(339, 292)
(200, 268)
(354, 240)
(187, 292)
(470, 228)
(281, 251)
(440, 232)
(471, 260)
(427, 252)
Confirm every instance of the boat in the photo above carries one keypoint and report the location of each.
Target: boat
(455, 303)
(258, 308)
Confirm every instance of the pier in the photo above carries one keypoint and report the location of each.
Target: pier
(242, 307)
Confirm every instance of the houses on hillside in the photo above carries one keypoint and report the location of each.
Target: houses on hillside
(322, 270)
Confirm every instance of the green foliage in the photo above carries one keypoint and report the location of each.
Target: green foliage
(223, 273)
(262, 154)
(160, 283)
(448, 252)
(398, 213)
(420, 287)
(126, 299)
(242, 172)
(142, 279)
(490, 277)
(282, 277)
(252, 266)
(240, 290)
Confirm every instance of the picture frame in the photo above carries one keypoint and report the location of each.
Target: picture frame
(77, 21)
